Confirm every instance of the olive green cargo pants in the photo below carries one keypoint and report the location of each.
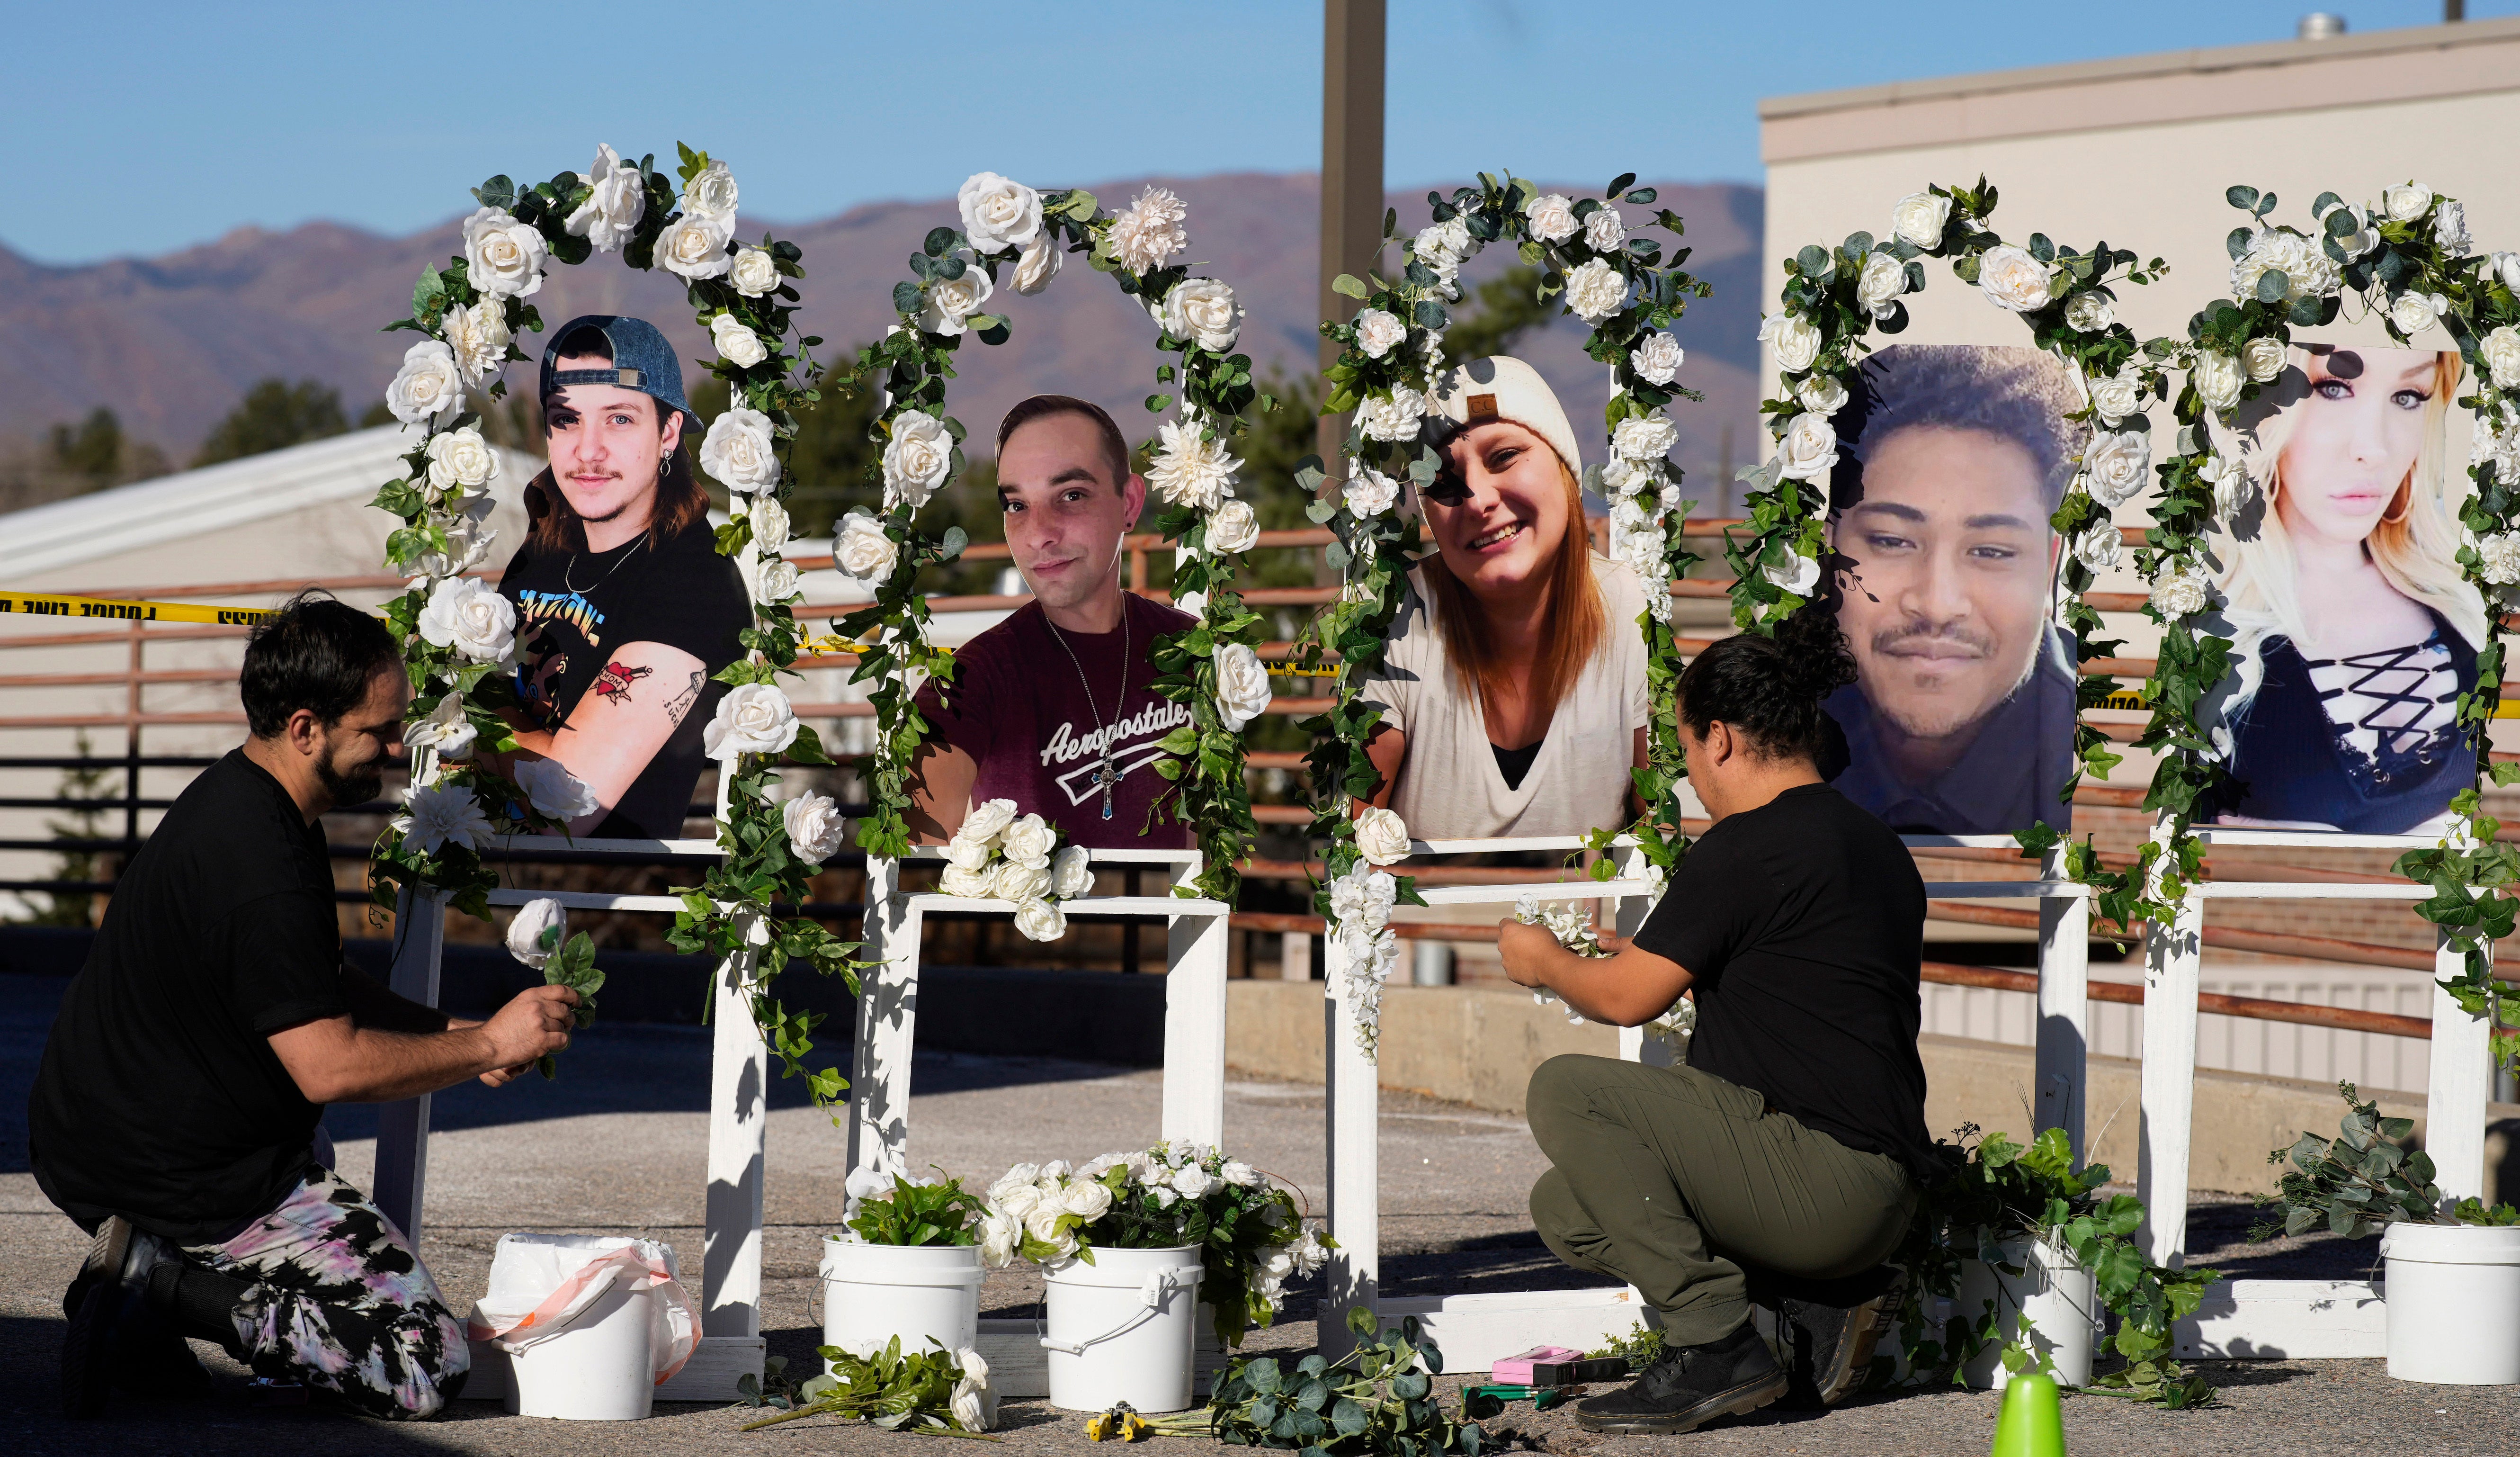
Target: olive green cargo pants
(1672, 1179)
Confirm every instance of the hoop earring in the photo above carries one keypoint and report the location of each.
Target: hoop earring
(2400, 504)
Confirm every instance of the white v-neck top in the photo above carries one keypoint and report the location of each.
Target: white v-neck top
(1450, 787)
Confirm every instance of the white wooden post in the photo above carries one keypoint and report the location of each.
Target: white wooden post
(887, 1024)
(402, 1129)
(1195, 970)
(1628, 915)
(2461, 1085)
(738, 1120)
(2169, 1095)
(2065, 1001)
(1353, 1110)
(1295, 957)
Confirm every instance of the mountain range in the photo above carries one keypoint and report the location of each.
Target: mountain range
(171, 343)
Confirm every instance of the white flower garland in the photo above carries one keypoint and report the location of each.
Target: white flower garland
(1572, 926)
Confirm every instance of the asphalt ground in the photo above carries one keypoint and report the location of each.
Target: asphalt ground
(618, 1144)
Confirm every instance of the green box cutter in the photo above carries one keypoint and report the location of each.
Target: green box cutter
(1542, 1398)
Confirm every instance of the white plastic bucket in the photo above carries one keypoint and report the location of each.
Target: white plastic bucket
(591, 1324)
(2059, 1296)
(1122, 1329)
(2452, 1292)
(921, 1293)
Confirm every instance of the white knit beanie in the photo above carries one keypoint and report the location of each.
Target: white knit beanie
(1502, 388)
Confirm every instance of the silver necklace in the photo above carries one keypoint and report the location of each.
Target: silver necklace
(1103, 778)
(574, 587)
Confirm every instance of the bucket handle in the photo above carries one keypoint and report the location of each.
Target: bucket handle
(1150, 1297)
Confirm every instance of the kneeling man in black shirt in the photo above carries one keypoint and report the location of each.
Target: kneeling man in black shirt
(1775, 1166)
(175, 1114)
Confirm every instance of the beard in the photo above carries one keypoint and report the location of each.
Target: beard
(350, 786)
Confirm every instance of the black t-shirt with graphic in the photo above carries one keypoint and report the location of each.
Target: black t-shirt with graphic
(575, 610)
(159, 1098)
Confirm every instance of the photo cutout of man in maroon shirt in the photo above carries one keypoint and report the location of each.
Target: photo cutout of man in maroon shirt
(1055, 707)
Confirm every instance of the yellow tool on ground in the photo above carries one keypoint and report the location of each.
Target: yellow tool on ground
(108, 608)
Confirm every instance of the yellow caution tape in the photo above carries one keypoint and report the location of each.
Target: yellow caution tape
(54, 605)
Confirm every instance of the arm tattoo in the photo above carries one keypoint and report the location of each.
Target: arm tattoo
(613, 683)
(683, 701)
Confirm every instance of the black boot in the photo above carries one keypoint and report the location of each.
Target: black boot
(1689, 1386)
(108, 1305)
(1830, 1329)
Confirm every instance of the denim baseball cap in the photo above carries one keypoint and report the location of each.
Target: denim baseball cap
(641, 360)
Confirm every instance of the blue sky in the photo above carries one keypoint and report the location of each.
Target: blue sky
(142, 128)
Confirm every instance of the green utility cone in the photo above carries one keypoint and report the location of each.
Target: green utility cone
(2031, 1425)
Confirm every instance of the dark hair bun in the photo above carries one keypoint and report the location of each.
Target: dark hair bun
(1770, 687)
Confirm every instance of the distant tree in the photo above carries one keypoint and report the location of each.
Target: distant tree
(832, 457)
(273, 416)
(90, 452)
(1500, 312)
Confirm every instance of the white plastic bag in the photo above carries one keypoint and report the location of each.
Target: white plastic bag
(539, 1283)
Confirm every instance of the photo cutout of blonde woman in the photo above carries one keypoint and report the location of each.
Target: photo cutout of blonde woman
(2354, 628)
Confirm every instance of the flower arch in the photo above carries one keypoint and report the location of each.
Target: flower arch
(1009, 229)
(457, 633)
(1391, 356)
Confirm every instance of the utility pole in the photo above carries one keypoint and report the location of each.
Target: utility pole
(1352, 47)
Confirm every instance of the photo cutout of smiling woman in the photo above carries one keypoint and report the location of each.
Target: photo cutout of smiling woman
(1514, 686)
(1952, 458)
(2354, 627)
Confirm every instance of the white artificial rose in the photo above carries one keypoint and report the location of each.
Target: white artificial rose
(2097, 551)
(988, 821)
(2500, 351)
(1370, 493)
(1192, 1182)
(768, 521)
(473, 619)
(1242, 691)
(1233, 528)
(2115, 465)
(752, 718)
(966, 882)
(1001, 1236)
(1038, 264)
(694, 246)
(469, 537)
(1017, 884)
(1042, 1223)
(1028, 840)
(429, 388)
(1189, 468)
(736, 344)
(2217, 379)
(1919, 218)
(1605, 229)
(1797, 575)
(862, 550)
(1150, 231)
(2307, 271)
(917, 459)
(460, 459)
(2413, 312)
(2118, 395)
(754, 273)
(1550, 217)
(1020, 1176)
(814, 827)
(609, 215)
(1883, 279)
(951, 302)
(2089, 313)
(999, 215)
(1657, 358)
(1041, 921)
(2506, 267)
(1087, 1200)
(502, 256)
(2181, 593)
(1378, 331)
(1394, 418)
(2263, 358)
(1203, 310)
(2498, 557)
(970, 854)
(441, 814)
(2231, 483)
(973, 1403)
(1644, 437)
(1239, 1173)
(1192, 604)
(739, 452)
(479, 336)
(1821, 394)
(2011, 278)
(528, 941)
(445, 730)
(1595, 290)
(2406, 202)
(777, 581)
(549, 788)
(1071, 872)
(1795, 338)
(712, 194)
(1809, 449)
(1381, 837)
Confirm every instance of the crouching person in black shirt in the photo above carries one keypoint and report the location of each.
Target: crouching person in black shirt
(176, 1109)
(1775, 1166)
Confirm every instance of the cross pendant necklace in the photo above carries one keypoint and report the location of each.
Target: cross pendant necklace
(1103, 777)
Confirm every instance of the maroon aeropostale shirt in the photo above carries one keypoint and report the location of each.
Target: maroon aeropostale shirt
(1019, 707)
